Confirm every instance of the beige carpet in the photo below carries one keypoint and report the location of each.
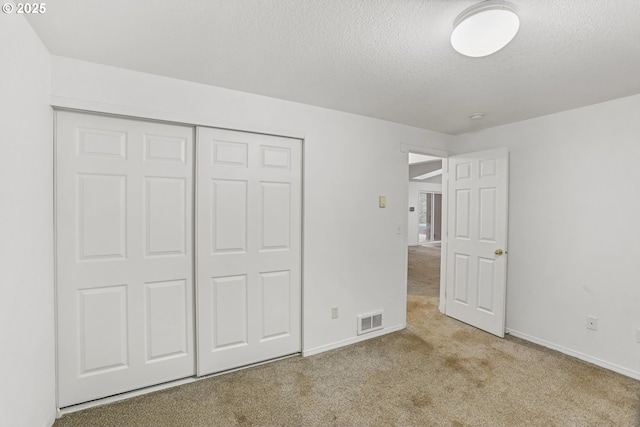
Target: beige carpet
(437, 372)
(424, 270)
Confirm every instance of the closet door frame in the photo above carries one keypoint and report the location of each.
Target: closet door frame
(62, 105)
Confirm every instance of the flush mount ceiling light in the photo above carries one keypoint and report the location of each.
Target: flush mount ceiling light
(484, 28)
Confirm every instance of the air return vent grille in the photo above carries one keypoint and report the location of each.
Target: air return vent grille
(369, 322)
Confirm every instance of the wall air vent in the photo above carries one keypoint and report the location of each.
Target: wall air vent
(369, 322)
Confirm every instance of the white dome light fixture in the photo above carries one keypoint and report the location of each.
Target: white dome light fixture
(484, 28)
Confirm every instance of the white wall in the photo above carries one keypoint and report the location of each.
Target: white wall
(353, 257)
(574, 240)
(414, 200)
(27, 371)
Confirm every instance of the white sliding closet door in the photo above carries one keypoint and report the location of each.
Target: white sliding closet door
(248, 248)
(124, 255)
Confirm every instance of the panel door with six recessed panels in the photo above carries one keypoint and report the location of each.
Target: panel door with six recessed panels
(125, 252)
(248, 244)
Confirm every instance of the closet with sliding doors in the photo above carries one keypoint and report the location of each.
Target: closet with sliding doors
(178, 252)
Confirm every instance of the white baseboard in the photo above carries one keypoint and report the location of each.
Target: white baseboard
(578, 355)
(353, 340)
(51, 420)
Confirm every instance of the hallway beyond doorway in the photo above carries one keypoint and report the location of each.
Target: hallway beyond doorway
(423, 277)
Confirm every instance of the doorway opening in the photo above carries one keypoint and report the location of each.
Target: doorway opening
(474, 211)
(424, 231)
(429, 218)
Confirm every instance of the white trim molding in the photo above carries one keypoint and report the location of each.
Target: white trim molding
(61, 102)
(406, 148)
(578, 355)
(353, 340)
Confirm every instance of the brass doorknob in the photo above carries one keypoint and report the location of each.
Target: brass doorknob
(499, 252)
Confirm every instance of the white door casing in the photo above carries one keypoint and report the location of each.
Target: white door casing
(248, 242)
(124, 255)
(476, 258)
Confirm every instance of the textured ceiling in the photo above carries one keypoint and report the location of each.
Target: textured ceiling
(389, 59)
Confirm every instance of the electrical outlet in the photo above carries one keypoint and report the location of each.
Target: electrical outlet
(592, 323)
(334, 312)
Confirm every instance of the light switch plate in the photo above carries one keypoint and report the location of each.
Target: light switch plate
(382, 201)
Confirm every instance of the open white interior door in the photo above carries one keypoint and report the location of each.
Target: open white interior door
(476, 269)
